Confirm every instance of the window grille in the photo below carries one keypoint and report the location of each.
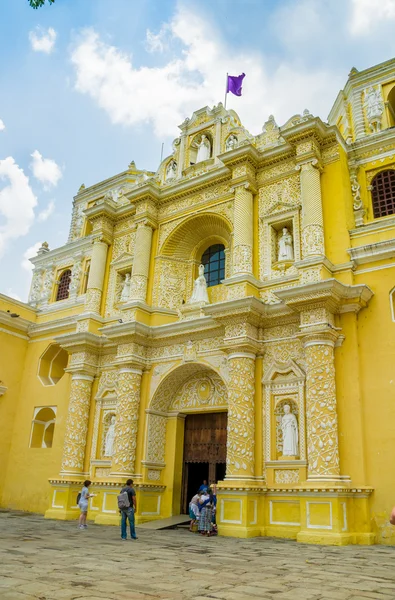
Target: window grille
(214, 264)
(64, 284)
(383, 193)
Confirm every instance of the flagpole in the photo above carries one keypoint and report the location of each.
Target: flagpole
(226, 90)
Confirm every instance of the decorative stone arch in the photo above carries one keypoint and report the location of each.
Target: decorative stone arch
(188, 388)
(283, 383)
(180, 254)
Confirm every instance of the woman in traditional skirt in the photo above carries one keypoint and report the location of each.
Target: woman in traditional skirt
(206, 513)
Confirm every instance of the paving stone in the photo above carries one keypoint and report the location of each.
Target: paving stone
(45, 557)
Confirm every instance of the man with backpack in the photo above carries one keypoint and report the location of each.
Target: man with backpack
(127, 508)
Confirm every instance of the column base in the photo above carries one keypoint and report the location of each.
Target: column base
(240, 508)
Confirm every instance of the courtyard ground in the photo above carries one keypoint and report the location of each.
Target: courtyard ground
(53, 560)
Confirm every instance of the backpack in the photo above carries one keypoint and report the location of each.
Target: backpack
(123, 501)
(78, 498)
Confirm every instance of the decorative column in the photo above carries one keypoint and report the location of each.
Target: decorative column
(321, 413)
(142, 254)
(96, 275)
(312, 218)
(240, 459)
(77, 424)
(181, 156)
(128, 406)
(243, 230)
(357, 113)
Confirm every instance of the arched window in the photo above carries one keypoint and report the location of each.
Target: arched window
(63, 286)
(43, 427)
(383, 193)
(214, 264)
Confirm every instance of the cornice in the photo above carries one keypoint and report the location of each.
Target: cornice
(369, 143)
(362, 255)
(334, 295)
(67, 251)
(52, 327)
(311, 127)
(105, 207)
(80, 342)
(244, 152)
(15, 323)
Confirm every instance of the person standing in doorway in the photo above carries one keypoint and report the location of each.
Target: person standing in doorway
(127, 514)
(83, 504)
(204, 487)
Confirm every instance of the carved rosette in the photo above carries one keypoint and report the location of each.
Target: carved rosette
(77, 424)
(240, 443)
(322, 432)
(127, 421)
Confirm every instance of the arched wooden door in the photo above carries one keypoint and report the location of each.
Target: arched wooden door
(204, 452)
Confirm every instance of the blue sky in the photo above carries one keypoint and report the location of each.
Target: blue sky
(86, 86)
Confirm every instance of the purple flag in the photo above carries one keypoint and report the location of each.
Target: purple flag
(234, 84)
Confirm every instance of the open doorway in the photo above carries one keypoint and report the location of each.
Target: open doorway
(204, 452)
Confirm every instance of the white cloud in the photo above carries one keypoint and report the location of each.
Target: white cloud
(157, 42)
(47, 212)
(367, 14)
(30, 253)
(9, 292)
(43, 41)
(2, 126)
(45, 170)
(17, 202)
(165, 95)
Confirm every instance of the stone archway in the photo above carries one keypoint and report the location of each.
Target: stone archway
(178, 392)
(181, 245)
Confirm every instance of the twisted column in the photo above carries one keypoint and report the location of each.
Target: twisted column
(240, 457)
(140, 270)
(96, 276)
(128, 406)
(243, 230)
(77, 424)
(312, 218)
(321, 413)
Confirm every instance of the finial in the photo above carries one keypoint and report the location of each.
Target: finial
(44, 248)
(81, 188)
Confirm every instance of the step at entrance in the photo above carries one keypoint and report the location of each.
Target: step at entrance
(168, 523)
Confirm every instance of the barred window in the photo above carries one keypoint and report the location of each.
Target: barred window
(64, 284)
(383, 193)
(214, 264)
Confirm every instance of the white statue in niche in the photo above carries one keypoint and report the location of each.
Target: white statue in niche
(204, 149)
(110, 436)
(374, 108)
(200, 288)
(171, 171)
(289, 427)
(125, 289)
(231, 142)
(285, 247)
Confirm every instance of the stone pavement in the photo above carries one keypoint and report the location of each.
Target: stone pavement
(53, 560)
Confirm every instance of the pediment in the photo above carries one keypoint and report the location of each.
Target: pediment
(279, 207)
(125, 258)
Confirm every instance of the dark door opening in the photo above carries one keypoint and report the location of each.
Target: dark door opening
(204, 453)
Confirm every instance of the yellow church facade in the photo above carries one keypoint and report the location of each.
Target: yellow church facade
(229, 317)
